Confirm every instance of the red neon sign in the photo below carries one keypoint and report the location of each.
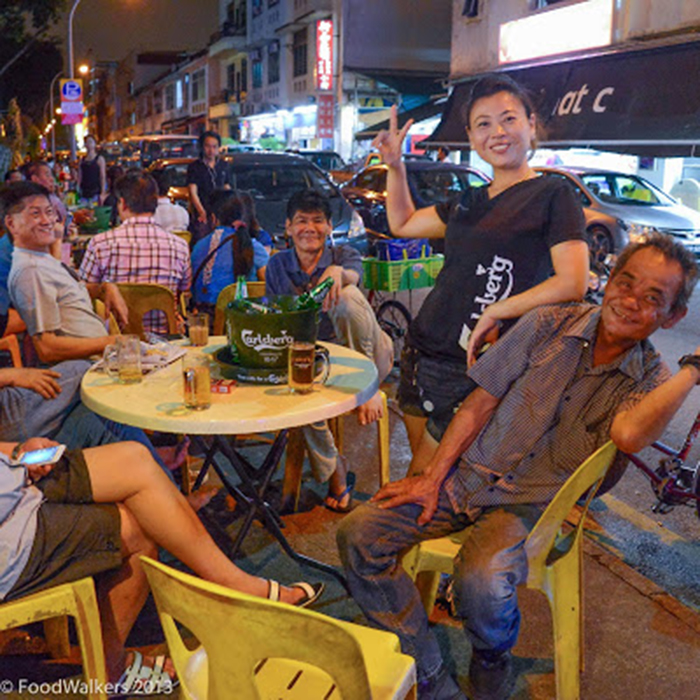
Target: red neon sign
(324, 54)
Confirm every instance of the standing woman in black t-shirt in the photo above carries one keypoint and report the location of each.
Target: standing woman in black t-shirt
(502, 243)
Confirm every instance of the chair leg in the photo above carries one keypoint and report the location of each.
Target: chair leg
(383, 439)
(565, 601)
(293, 465)
(87, 622)
(338, 429)
(56, 634)
(427, 583)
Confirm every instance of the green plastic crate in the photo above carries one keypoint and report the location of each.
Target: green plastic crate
(396, 275)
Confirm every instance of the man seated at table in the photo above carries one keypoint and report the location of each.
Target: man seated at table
(562, 382)
(347, 318)
(53, 303)
(94, 513)
(139, 250)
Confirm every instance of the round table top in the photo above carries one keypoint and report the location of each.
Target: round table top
(156, 403)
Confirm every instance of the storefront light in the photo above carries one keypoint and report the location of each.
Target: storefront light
(584, 25)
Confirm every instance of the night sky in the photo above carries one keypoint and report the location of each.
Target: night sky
(112, 28)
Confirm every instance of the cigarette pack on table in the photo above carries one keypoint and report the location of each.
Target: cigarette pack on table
(223, 386)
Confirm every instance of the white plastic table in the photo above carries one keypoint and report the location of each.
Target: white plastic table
(156, 403)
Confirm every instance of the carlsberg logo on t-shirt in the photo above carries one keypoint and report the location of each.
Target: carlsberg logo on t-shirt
(498, 283)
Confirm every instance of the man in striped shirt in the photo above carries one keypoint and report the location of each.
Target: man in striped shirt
(139, 250)
(555, 388)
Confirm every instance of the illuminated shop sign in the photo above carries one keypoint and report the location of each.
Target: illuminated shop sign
(324, 54)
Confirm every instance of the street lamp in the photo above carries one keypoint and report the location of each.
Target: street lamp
(71, 68)
(53, 133)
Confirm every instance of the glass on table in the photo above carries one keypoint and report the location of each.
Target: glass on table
(301, 366)
(123, 359)
(198, 328)
(196, 375)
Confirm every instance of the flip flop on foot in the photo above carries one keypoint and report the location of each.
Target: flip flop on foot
(335, 503)
(311, 592)
(147, 676)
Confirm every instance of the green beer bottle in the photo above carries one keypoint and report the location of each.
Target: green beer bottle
(241, 288)
(314, 297)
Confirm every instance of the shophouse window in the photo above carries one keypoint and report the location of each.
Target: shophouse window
(257, 7)
(273, 63)
(257, 74)
(471, 8)
(198, 85)
(231, 77)
(300, 46)
(170, 97)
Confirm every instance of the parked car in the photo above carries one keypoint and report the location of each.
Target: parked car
(141, 151)
(271, 178)
(428, 181)
(342, 175)
(326, 160)
(620, 208)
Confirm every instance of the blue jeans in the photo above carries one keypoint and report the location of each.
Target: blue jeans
(490, 564)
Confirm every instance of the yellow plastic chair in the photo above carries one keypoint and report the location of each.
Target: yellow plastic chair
(77, 599)
(142, 297)
(253, 649)
(11, 344)
(185, 235)
(555, 562)
(226, 295)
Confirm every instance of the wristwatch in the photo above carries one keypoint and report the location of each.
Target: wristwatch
(692, 360)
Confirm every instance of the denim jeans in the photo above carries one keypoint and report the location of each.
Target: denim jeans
(490, 564)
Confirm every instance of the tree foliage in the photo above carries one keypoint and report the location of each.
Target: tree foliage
(17, 16)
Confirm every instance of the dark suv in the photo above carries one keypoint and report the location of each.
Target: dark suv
(429, 183)
(271, 179)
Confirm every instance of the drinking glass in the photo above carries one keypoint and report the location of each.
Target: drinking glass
(196, 375)
(123, 359)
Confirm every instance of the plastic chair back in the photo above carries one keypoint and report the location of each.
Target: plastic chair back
(77, 599)
(142, 297)
(226, 295)
(265, 649)
(10, 344)
(185, 235)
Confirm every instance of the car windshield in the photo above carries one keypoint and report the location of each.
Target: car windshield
(279, 181)
(614, 188)
(178, 174)
(171, 148)
(439, 185)
(325, 161)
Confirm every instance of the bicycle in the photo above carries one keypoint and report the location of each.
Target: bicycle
(674, 482)
(393, 318)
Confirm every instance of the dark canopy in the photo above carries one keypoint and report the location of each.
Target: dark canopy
(645, 102)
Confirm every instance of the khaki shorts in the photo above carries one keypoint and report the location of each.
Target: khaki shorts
(75, 537)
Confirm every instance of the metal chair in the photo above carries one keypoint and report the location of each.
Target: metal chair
(142, 297)
(253, 648)
(77, 599)
(555, 562)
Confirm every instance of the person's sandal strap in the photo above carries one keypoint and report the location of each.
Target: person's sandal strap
(273, 593)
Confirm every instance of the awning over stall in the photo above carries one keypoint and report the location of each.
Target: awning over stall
(418, 114)
(644, 102)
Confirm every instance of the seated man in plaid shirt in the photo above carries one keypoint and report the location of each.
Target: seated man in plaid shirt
(554, 389)
(139, 250)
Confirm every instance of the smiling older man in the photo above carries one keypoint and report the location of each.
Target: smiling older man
(561, 383)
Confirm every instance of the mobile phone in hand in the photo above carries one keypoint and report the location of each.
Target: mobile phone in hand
(46, 455)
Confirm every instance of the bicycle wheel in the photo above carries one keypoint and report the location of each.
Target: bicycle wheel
(394, 319)
(696, 487)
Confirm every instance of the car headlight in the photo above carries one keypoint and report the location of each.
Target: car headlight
(637, 232)
(357, 226)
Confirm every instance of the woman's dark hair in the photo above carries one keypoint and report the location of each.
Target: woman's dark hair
(249, 215)
(229, 209)
(114, 173)
(492, 84)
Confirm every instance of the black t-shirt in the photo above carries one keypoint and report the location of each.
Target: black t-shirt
(494, 248)
(207, 179)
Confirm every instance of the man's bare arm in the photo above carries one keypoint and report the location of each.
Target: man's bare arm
(639, 426)
(53, 348)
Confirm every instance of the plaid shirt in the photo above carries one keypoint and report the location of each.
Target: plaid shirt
(139, 251)
(555, 408)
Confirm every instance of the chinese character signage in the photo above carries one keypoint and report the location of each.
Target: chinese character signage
(324, 54)
(324, 117)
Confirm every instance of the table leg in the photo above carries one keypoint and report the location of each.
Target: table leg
(252, 495)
